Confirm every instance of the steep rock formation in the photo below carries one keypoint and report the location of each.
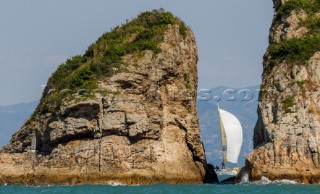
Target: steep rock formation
(287, 134)
(123, 112)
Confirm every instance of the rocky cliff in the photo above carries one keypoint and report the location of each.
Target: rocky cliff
(125, 112)
(287, 134)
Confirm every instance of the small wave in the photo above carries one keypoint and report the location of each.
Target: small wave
(33, 186)
(266, 181)
(244, 178)
(115, 183)
(285, 181)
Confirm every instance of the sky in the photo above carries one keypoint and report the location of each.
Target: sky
(36, 36)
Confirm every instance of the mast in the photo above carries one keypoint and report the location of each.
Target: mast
(223, 140)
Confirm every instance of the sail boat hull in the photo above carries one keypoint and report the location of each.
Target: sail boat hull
(226, 172)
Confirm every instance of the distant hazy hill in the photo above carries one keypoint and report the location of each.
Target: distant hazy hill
(244, 110)
(12, 118)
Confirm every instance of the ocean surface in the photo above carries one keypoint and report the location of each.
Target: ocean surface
(263, 186)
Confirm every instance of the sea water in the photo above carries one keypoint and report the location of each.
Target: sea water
(264, 186)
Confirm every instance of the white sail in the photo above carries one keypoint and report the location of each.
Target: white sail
(233, 131)
(34, 144)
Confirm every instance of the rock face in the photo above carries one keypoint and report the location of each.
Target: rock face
(287, 134)
(138, 125)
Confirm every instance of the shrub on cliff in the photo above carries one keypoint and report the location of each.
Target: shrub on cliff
(309, 6)
(105, 55)
(297, 50)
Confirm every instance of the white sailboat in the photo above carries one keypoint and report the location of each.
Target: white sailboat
(232, 137)
(33, 147)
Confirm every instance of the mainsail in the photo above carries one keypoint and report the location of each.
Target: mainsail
(34, 144)
(231, 134)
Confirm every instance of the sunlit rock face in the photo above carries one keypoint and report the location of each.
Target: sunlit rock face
(138, 126)
(287, 134)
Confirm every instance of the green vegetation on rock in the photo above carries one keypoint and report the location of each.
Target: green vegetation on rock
(104, 56)
(188, 86)
(287, 104)
(301, 84)
(183, 29)
(309, 6)
(186, 78)
(297, 50)
(313, 24)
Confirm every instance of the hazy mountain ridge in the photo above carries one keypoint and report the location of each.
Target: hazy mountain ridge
(12, 117)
